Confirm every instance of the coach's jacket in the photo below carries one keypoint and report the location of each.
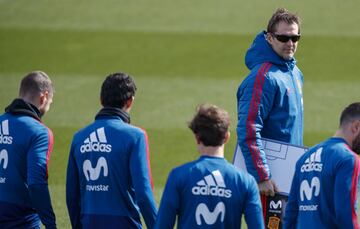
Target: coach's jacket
(108, 177)
(25, 148)
(269, 105)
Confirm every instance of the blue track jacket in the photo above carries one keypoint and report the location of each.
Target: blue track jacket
(324, 190)
(108, 177)
(270, 105)
(25, 148)
(209, 193)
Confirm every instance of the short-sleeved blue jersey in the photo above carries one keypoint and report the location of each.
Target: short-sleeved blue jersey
(324, 188)
(108, 176)
(209, 193)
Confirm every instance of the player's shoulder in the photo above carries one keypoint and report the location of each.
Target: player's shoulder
(333, 150)
(240, 174)
(118, 126)
(185, 168)
(28, 125)
(338, 148)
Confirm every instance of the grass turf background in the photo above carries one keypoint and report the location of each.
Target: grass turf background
(180, 54)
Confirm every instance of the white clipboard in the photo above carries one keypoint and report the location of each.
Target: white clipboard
(281, 158)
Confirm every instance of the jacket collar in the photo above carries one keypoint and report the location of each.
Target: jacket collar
(113, 111)
(19, 106)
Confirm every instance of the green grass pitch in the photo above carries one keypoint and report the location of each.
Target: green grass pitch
(181, 54)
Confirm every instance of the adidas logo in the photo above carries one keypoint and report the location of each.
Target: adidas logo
(313, 163)
(4, 133)
(212, 185)
(96, 142)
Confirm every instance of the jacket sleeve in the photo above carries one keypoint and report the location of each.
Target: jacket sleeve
(253, 211)
(141, 179)
(37, 174)
(345, 192)
(169, 205)
(73, 191)
(255, 98)
(292, 206)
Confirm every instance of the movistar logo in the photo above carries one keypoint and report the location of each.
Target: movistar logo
(94, 173)
(96, 142)
(203, 212)
(212, 185)
(308, 190)
(276, 205)
(313, 163)
(5, 137)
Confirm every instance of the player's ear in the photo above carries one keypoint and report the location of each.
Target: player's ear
(355, 127)
(197, 138)
(43, 98)
(129, 102)
(227, 137)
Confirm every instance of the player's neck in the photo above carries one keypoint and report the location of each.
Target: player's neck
(342, 134)
(212, 151)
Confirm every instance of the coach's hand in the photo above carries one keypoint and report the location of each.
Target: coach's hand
(268, 188)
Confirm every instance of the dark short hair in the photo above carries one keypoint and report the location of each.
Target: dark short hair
(210, 124)
(35, 83)
(117, 89)
(282, 15)
(350, 114)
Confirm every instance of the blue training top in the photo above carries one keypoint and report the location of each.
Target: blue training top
(324, 190)
(108, 176)
(209, 193)
(25, 148)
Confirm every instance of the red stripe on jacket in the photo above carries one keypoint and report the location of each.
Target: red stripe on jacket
(252, 114)
(148, 159)
(354, 184)
(50, 146)
(50, 149)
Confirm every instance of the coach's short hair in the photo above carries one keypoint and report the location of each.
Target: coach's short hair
(282, 15)
(350, 114)
(35, 83)
(210, 124)
(117, 89)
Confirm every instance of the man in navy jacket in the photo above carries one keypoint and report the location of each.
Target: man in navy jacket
(269, 100)
(109, 180)
(324, 190)
(25, 148)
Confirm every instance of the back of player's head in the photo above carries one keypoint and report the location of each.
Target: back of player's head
(282, 15)
(350, 114)
(210, 124)
(117, 89)
(35, 83)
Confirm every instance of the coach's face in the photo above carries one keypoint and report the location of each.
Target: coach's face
(284, 40)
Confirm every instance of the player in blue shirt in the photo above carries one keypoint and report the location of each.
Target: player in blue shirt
(108, 177)
(210, 192)
(324, 190)
(25, 148)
